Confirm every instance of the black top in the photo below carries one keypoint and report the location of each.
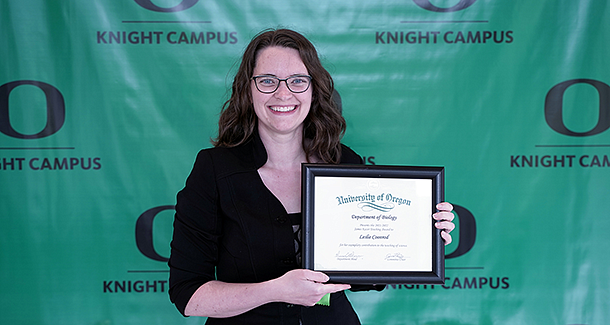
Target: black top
(228, 226)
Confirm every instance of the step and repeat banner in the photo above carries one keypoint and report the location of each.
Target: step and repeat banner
(104, 105)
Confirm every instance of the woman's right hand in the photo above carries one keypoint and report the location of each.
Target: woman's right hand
(305, 287)
(222, 299)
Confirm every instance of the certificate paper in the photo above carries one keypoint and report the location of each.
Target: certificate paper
(373, 224)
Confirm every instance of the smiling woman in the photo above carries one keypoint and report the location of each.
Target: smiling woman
(324, 126)
(235, 253)
(280, 113)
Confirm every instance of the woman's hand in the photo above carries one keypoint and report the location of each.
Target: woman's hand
(444, 220)
(221, 299)
(305, 287)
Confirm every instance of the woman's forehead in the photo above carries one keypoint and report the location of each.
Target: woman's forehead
(279, 61)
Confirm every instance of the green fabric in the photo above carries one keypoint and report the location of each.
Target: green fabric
(104, 105)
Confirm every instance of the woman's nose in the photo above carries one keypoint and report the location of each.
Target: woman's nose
(283, 91)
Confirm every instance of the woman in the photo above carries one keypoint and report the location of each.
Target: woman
(235, 255)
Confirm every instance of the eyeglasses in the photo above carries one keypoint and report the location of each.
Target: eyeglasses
(268, 84)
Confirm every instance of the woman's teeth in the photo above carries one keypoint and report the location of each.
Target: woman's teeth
(282, 108)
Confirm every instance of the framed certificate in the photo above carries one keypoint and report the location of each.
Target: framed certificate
(369, 224)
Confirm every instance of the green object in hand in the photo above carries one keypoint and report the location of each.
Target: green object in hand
(325, 301)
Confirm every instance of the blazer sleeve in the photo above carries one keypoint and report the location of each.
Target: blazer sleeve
(197, 229)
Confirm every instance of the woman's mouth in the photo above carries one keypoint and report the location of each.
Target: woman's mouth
(283, 109)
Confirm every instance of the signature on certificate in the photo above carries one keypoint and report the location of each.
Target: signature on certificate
(348, 256)
(395, 257)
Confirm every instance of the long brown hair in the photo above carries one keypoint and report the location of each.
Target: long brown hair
(324, 125)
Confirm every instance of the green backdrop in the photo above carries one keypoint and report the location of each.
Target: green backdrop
(104, 105)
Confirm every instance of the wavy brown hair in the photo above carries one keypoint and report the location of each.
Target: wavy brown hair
(324, 126)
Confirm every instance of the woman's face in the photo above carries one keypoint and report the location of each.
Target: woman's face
(280, 112)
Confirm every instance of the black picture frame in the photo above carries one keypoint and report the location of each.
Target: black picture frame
(313, 172)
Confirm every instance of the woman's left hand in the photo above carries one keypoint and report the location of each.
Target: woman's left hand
(444, 220)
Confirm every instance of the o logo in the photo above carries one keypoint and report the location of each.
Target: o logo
(144, 233)
(56, 109)
(185, 4)
(553, 107)
(468, 231)
(463, 4)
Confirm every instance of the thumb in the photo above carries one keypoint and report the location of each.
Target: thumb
(315, 276)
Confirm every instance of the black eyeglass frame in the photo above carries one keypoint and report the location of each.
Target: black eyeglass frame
(280, 81)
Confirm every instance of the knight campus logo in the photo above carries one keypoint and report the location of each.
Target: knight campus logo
(55, 119)
(554, 118)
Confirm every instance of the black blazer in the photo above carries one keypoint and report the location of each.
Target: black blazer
(228, 226)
